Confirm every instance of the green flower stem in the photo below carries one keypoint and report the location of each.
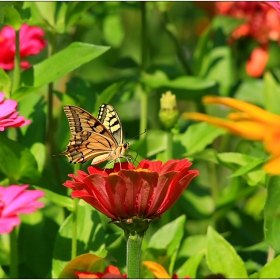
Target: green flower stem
(133, 257)
(143, 112)
(144, 54)
(75, 221)
(13, 254)
(169, 148)
(213, 182)
(74, 228)
(51, 150)
(17, 64)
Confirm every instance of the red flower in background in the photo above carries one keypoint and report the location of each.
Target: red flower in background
(144, 192)
(31, 43)
(262, 24)
(257, 62)
(109, 273)
(262, 21)
(8, 114)
(15, 200)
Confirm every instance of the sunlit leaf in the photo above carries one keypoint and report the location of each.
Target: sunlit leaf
(5, 82)
(221, 257)
(272, 213)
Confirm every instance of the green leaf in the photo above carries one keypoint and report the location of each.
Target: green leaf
(271, 93)
(218, 67)
(39, 152)
(90, 238)
(272, 213)
(12, 17)
(232, 160)
(106, 95)
(226, 24)
(252, 165)
(184, 87)
(113, 30)
(198, 136)
(58, 199)
(171, 241)
(189, 268)
(17, 162)
(75, 10)
(69, 59)
(222, 258)
(5, 82)
(47, 11)
(251, 90)
(271, 269)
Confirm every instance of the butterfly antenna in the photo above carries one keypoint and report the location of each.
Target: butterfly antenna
(140, 134)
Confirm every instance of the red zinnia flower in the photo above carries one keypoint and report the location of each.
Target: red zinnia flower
(15, 200)
(262, 21)
(144, 192)
(31, 43)
(262, 24)
(109, 273)
(8, 114)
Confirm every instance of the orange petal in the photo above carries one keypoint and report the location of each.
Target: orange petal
(256, 64)
(238, 116)
(246, 129)
(253, 112)
(272, 142)
(272, 167)
(157, 269)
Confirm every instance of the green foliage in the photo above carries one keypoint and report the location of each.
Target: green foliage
(226, 221)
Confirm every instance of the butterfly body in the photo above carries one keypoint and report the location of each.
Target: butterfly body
(99, 139)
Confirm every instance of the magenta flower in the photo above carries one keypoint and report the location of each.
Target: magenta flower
(15, 200)
(8, 114)
(31, 43)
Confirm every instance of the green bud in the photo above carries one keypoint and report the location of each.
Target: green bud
(168, 113)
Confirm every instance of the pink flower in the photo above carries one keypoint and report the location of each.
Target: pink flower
(8, 114)
(31, 43)
(15, 200)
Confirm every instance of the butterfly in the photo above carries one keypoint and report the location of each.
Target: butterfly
(99, 139)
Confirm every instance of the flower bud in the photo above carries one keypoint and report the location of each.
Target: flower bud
(168, 113)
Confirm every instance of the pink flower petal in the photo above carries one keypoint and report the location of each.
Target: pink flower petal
(8, 223)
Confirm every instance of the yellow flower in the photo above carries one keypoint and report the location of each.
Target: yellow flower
(252, 122)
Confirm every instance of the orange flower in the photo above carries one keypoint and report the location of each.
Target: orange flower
(256, 64)
(252, 122)
(159, 271)
(109, 273)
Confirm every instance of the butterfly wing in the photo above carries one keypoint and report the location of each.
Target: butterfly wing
(109, 117)
(90, 138)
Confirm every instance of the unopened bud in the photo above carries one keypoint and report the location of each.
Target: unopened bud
(168, 113)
